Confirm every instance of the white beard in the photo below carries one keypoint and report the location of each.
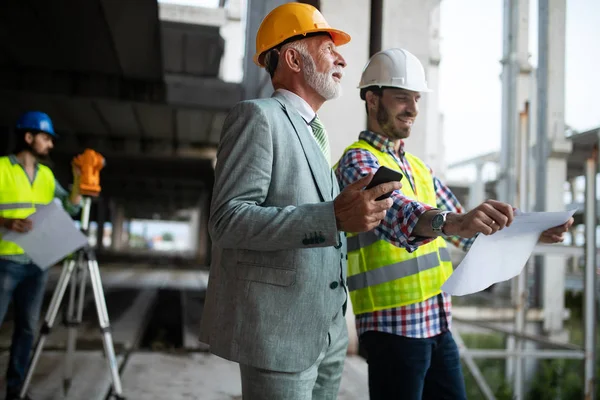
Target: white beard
(322, 82)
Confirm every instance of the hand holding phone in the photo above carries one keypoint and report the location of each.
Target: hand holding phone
(384, 175)
(356, 209)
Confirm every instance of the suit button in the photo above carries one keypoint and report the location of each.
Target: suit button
(333, 285)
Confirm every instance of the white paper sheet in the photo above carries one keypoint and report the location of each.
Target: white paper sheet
(53, 236)
(501, 256)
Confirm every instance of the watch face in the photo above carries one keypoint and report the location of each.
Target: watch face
(437, 222)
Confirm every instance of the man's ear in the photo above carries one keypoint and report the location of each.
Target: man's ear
(372, 100)
(29, 137)
(292, 59)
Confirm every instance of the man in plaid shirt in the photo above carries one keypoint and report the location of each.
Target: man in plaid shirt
(410, 349)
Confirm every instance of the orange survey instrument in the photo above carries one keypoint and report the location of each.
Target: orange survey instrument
(90, 163)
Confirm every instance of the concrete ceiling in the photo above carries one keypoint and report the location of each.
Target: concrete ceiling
(111, 37)
(144, 93)
(585, 145)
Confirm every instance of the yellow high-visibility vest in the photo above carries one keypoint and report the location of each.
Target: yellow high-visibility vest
(19, 197)
(383, 276)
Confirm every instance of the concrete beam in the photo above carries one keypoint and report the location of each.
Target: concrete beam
(80, 84)
(134, 31)
(154, 180)
(193, 15)
(188, 91)
(207, 93)
(115, 147)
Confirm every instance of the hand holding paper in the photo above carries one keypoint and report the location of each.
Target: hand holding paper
(16, 224)
(503, 255)
(487, 218)
(53, 236)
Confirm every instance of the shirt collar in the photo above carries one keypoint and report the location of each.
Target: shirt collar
(14, 160)
(381, 142)
(305, 111)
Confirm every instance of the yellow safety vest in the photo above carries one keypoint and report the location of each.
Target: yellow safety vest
(19, 197)
(383, 276)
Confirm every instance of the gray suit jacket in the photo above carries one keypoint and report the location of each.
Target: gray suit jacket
(278, 271)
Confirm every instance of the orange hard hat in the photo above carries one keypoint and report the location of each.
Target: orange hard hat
(290, 20)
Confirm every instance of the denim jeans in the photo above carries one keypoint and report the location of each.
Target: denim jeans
(24, 284)
(413, 369)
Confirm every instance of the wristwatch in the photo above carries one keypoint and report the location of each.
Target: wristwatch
(438, 221)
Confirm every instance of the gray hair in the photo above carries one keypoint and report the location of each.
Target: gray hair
(272, 56)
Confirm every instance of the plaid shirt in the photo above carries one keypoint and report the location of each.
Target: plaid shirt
(429, 317)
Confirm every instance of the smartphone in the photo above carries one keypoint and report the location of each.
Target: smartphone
(384, 175)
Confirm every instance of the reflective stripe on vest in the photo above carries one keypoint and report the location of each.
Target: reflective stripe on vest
(16, 206)
(19, 197)
(383, 276)
(398, 270)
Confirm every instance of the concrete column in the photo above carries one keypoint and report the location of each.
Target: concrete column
(204, 242)
(515, 90)
(117, 220)
(477, 189)
(256, 80)
(232, 63)
(554, 279)
(414, 26)
(199, 237)
(435, 149)
(345, 117)
(194, 230)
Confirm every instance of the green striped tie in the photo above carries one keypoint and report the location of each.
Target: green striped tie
(321, 136)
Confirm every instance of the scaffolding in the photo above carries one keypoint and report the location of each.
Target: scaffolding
(587, 154)
(515, 157)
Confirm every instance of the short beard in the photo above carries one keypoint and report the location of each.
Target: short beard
(41, 158)
(386, 122)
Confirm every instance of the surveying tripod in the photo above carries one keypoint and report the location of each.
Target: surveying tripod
(75, 271)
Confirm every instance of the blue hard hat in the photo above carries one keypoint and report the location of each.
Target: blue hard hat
(36, 121)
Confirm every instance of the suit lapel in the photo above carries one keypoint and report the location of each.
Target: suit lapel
(318, 165)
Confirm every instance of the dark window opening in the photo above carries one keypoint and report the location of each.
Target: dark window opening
(314, 3)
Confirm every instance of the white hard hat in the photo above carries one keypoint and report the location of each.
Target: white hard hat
(395, 68)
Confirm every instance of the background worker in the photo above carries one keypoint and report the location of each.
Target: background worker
(395, 271)
(276, 295)
(25, 183)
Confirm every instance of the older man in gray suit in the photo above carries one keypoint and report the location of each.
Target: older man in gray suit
(277, 292)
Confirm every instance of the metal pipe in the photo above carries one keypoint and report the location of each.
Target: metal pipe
(591, 167)
(520, 294)
(376, 27)
(473, 368)
(497, 353)
(528, 336)
(541, 151)
(510, 70)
